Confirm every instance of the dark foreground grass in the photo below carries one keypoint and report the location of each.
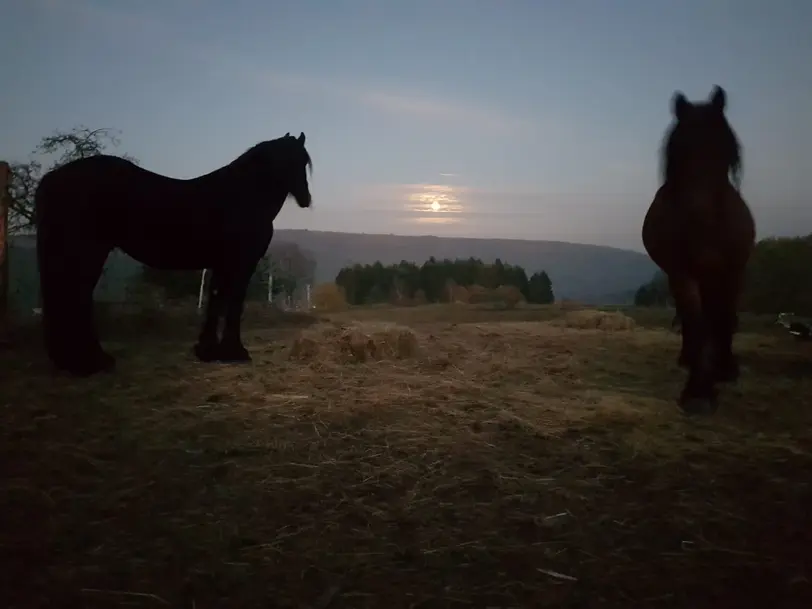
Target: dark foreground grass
(492, 463)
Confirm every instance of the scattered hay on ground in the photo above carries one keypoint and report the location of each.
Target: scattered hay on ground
(495, 464)
(356, 342)
(592, 319)
(568, 305)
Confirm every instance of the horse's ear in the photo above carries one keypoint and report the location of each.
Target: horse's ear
(679, 105)
(287, 134)
(718, 98)
(302, 138)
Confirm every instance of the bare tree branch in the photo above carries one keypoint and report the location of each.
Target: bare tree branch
(60, 147)
(21, 188)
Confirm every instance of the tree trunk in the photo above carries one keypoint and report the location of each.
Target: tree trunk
(5, 175)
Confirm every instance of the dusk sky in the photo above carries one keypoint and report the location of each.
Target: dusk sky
(504, 118)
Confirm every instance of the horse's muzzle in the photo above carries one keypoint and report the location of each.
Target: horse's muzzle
(303, 200)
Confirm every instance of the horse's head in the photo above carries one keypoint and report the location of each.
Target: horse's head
(280, 165)
(295, 161)
(701, 149)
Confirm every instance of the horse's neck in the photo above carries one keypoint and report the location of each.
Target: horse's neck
(222, 175)
(678, 185)
(232, 184)
(222, 183)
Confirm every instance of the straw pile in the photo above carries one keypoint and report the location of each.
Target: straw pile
(355, 342)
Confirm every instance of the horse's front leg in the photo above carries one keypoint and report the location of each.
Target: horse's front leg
(207, 348)
(679, 326)
(678, 321)
(722, 296)
(698, 349)
(231, 346)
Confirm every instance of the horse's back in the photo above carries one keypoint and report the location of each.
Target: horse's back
(112, 200)
(160, 221)
(104, 174)
(113, 190)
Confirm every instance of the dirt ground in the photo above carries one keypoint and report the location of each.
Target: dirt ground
(438, 456)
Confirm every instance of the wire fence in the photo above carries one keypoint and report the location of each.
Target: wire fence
(120, 286)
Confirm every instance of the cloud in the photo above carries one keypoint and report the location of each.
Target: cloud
(442, 111)
(92, 14)
(608, 218)
(117, 21)
(484, 200)
(435, 219)
(416, 105)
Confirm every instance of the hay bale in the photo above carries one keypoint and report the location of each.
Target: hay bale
(505, 295)
(356, 342)
(304, 347)
(459, 294)
(476, 290)
(592, 319)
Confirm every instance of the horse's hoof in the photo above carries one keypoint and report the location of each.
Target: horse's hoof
(233, 354)
(698, 405)
(207, 352)
(106, 362)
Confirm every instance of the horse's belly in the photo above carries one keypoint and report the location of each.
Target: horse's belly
(170, 254)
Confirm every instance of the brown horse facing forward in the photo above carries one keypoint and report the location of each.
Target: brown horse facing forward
(700, 232)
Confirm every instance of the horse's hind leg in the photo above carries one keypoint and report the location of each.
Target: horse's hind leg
(698, 395)
(68, 276)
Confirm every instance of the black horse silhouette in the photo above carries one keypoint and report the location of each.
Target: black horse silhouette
(222, 221)
(700, 232)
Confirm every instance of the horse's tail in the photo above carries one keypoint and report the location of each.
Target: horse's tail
(51, 218)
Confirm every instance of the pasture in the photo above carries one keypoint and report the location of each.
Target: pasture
(435, 456)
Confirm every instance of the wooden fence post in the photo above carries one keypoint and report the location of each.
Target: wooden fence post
(5, 177)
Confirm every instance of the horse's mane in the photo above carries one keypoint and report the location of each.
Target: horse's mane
(673, 152)
(269, 148)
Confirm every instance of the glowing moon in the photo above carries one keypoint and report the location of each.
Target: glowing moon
(435, 206)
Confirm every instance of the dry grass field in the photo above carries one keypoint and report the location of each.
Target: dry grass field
(436, 456)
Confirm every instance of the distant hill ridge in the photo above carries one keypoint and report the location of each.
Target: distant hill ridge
(592, 274)
(588, 273)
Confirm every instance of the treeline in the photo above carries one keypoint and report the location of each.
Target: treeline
(655, 293)
(441, 281)
(779, 279)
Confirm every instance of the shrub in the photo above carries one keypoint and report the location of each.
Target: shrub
(510, 295)
(459, 293)
(328, 297)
